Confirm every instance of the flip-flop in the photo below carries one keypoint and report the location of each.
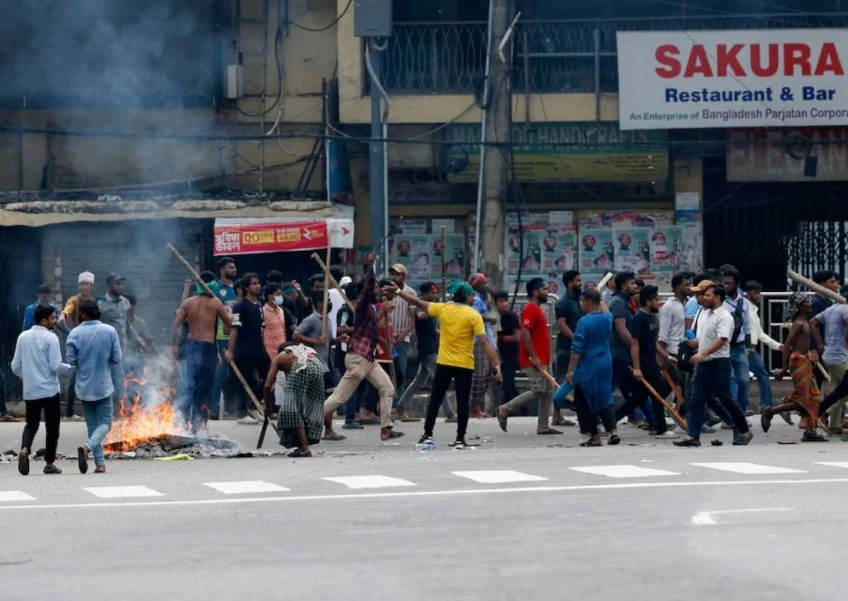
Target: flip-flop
(392, 435)
(614, 439)
(353, 426)
(548, 432)
(334, 437)
(563, 422)
(409, 420)
(298, 453)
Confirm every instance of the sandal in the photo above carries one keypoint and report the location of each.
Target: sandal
(334, 437)
(689, 442)
(592, 443)
(298, 453)
(561, 421)
(391, 435)
(548, 432)
(614, 439)
(813, 437)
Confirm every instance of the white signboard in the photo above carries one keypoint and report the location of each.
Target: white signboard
(746, 78)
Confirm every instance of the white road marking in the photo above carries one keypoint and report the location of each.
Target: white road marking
(499, 476)
(704, 518)
(245, 487)
(123, 492)
(7, 496)
(623, 471)
(428, 493)
(749, 469)
(833, 463)
(376, 481)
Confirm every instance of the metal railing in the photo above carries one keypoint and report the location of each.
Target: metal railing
(550, 56)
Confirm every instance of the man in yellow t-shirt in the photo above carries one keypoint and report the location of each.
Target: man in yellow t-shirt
(460, 326)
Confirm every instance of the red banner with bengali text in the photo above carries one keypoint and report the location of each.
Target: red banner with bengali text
(270, 237)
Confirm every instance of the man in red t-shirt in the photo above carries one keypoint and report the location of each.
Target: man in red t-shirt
(534, 356)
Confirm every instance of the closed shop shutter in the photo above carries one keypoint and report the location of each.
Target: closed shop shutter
(135, 250)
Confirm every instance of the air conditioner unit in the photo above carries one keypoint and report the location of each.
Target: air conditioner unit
(233, 83)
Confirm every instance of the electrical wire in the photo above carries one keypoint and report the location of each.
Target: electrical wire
(326, 27)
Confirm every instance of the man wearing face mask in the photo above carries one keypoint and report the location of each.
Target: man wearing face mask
(279, 322)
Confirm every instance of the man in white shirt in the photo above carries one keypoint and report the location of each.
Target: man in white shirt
(713, 367)
(754, 289)
(38, 362)
(672, 320)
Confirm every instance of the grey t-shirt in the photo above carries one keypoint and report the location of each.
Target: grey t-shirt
(834, 320)
(311, 328)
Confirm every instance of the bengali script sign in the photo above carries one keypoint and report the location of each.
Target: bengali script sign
(745, 78)
(270, 237)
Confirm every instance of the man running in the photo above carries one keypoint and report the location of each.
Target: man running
(461, 326)
(38, 362)
(534, 357)
(94, 348)
(201, 353)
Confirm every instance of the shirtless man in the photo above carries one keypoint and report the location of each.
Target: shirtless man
(798, 361)
(201, 353)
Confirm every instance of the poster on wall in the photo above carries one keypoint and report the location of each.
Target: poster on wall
(632, 250)
(692, 225)
(625, 219)
(667, 249)
(560, 249)
(597, 252)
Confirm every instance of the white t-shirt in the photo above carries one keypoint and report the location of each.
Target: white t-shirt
(712, 325)
(336, 302)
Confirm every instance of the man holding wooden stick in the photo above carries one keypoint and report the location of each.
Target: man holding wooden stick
(644, 350)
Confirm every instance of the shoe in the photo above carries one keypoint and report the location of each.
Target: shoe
(689, 442)
(100, 469)
(743, 439)
(459, 444)
(353, 426)
(667, 435)
(425, 440)
(256, 415)
(247, 421)
(82, 459)
(23, 462)
(705, 429)
(52, 469)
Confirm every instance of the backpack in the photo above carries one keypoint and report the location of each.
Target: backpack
(738, 319)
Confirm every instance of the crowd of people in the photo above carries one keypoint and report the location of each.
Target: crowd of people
(342, 346)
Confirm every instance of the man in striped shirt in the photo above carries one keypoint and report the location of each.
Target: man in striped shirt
(403, 320)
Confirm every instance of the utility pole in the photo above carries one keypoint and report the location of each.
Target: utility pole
(498, 133)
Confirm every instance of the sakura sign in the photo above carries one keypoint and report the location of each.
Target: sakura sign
(745, 78)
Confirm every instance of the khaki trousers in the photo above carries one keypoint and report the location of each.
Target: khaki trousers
(358, 368)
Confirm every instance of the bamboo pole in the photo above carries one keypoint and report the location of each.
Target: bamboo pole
(677, 417)
(817, 288)
(326, 295)
(332, 281)
(444, 238)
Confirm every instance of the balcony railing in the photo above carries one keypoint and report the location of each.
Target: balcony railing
(549, 56)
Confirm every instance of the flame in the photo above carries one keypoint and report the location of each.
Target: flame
(138, 421)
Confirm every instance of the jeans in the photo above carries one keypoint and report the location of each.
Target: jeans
(52, 408)
(98, 421)
(461, 377)
(223, 380)
(201, 360)
(72, 395)
(118, 376)
(426, 372)
(741, 375)
(401, 363)
(713, 378)
(653, 376)
(254, 370)
(758, 367)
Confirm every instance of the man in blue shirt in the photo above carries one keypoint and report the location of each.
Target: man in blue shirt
(38, 362)
(94, 348)
(45, 297)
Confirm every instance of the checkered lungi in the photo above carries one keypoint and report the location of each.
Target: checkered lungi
(301, 399)
(484, 375)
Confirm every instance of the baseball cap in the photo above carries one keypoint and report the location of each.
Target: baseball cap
(85, 277)
(700, 287)
(114, 278)
(398, 268)
(479, 278)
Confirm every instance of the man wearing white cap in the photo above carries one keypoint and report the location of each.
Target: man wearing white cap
(69, 319)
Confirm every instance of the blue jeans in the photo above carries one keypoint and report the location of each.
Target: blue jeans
(758, 367)
(223, 379)
(401, 361)
(712, 378)
(741, 375)
(201, 360)
(117, 370)
(98, 420)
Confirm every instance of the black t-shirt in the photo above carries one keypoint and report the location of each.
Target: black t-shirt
(428, 338)
(509, 326)
(645, 327)
(250, 323)
(568, 308)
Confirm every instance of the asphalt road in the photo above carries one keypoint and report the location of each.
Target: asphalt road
(520, 517)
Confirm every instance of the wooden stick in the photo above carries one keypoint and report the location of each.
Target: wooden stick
(186, 291)
(678, 393)
(817, 288)
(550, 378)
(206, 289)
(247, 388)
(677, 417)
(332, 281)
(444, 265)
(823, 371)
(326, 296)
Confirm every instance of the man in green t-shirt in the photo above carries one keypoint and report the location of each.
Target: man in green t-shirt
(224, 289)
